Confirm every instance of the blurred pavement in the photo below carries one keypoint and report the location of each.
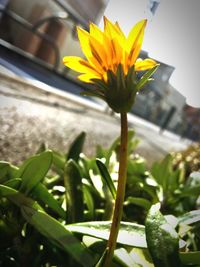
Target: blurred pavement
(32, 112)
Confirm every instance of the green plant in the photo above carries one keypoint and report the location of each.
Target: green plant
(112, 67)
(189, 157)
(56, 210)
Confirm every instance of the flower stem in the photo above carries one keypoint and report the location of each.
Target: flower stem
(118, 209)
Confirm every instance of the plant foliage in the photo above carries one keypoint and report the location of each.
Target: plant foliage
(56, 209)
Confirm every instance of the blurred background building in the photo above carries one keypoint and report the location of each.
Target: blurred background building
(55, 18)
(35, 35)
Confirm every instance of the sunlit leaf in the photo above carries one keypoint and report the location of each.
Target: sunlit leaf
(13, 183)
(7, 171)
(101, 261)
(122, 257)
(145, 78)
(141, 257)
(106, 177)
(130, 233)
(190, 191)
(190, 217)
(34, 170)
(58, 234)
(16, 197)
(164, 174)
(4, 166)
(142, 202)
(74, 192)
(76, 147)
(58, 161)
(41, 193)
(191, 258)
(162, 239)
(89, 201)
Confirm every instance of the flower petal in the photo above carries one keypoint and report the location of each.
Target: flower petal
(113, 31)
(120, 30)
(87, 77)
(117, 53)
(106, 50)
(103, 39)
(134, 41)
(145, 64)
(84, 39)
(135, 33)
(96, 33)
(98, 52)
(117, 40)
(93, 50)
(79, 65)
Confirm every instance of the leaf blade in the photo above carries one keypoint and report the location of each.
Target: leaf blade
(74, 192)
(57, 233)
(34, 171)
(106, 177)
(162, 239)
(130, 233)
(76, 147)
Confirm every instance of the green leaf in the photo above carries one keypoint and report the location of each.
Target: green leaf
(58, 161)
(14, 183)
(191, 258)
(130, 234)
(192, 187)
(111, 79)
(101, 261)
(136, 166)
(122, 257)
(41, 193)
(106, 177)
(58, 234)
(131, 78)
(34, 171)
(194, 179)
(4, 166)
(7, 171)
(43, 147)
(120, 78)
(76, 147)
(89, 201)
(145, 78)
(162, 239)
(74, 192)
(16, 197)
(111, 149)
(141, 257)
(101, 85)
(94, 93)
(190, 217)
(100, 152)
(162, 171)
(191, 191)
(142, 202)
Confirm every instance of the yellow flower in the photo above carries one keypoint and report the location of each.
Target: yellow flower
(111, 61)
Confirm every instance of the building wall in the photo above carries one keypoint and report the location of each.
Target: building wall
(159, 99)
(89, 9)
(61, 31)
(24, 7)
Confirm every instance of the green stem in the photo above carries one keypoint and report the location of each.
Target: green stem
(118, 209)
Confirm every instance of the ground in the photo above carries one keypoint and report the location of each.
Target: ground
(33, 114)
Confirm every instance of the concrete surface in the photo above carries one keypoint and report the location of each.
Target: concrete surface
(32, 112)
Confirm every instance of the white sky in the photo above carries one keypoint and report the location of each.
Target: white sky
(172, 36)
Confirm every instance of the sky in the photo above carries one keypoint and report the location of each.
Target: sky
(172, 36)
